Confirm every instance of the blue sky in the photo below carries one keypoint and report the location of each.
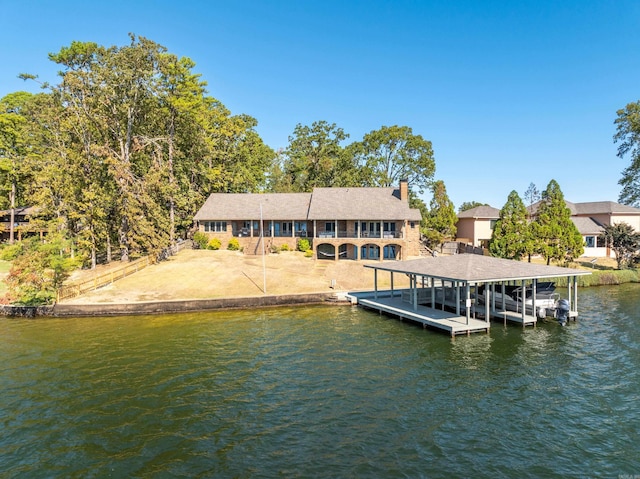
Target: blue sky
(509, 92)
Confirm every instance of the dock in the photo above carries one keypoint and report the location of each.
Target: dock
(440, 292)
(429, 317)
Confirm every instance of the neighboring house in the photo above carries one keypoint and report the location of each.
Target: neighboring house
(21, 223)
(340, 223)
(476, 225)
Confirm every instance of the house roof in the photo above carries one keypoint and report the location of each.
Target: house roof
(246, 206)
(595, 208)
(360, 204)
(587, 225)
(322, 204)
(604, 207)
(473, 268)
(484, 211)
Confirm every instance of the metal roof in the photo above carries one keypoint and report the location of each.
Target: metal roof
(473, 268)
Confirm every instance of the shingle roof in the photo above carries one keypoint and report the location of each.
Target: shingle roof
(322, 204)
(484, 211)
(246, 206)
(595, 208)
(587, 225)
(360, 204)
(477, 268)
(599, 207)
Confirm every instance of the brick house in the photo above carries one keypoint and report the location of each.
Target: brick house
(339, 223)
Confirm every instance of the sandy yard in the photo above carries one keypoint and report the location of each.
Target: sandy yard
(205, 274)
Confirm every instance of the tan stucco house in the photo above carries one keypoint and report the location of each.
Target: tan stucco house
(475, 226)
(340, 223)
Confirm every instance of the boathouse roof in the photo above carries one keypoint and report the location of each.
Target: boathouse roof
(473, 268)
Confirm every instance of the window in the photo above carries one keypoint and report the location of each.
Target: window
(330, 227)
(601, 242)
(215, 226)
(492, 224)
(287, 227)
(590, 241)
(390, 226)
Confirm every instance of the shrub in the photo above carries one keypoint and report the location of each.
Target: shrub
(214, 244)
(303, 245)
(11, 252)
(234, 244)
(308, 253)
(200, 240)
(284, 247)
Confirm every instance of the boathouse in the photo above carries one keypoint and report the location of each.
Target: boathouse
(461, 293)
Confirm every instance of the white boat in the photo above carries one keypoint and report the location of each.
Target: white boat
(512, 299)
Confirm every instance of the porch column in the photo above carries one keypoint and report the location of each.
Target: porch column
(315, 229)
(433, 292)
(575, 294)
(415, 293)
(335, 228)
(457, 298)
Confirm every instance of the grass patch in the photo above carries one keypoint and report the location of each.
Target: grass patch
(5, 266)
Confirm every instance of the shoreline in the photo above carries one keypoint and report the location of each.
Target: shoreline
(62, 310)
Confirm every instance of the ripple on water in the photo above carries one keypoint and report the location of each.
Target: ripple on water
(320, 391)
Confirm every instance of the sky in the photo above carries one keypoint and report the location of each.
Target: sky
(509, 92)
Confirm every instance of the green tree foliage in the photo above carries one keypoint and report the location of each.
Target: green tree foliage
(394, 153)
(14, 148)
(628, 137)
(39, 270)
(467, 205)
(441, 219)
(556, 236)
(511, 232)
(314, 158)
(128, 145)
(624, 241)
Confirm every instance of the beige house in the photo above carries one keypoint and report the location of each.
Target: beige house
(475, 226)
(339, 223)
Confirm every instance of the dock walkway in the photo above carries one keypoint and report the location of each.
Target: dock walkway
(428, 317)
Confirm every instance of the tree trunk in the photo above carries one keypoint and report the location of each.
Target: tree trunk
(12, 200)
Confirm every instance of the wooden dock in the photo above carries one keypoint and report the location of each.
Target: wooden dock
(428, 317)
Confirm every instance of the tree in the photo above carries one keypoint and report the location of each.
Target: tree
(531, 196)
(14, 147)
(394, 153)
(556, 236)
(39, 270)
(511, 232)
(467, 205)
(628, 135)
(624, 241)
(314, 158)
(441, 220)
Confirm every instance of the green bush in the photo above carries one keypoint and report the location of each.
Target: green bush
(200, 239)
(11, 252)
(284, 247)
(214, 244)
(234, 244)
(308, 253)
(303, 245)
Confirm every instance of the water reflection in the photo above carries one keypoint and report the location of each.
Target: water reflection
(320, 391)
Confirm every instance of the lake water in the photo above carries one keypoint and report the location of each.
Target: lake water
(322, 391)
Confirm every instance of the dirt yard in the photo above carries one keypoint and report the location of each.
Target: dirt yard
(204, 274)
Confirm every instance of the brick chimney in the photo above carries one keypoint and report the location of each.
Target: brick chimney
(404, 190)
